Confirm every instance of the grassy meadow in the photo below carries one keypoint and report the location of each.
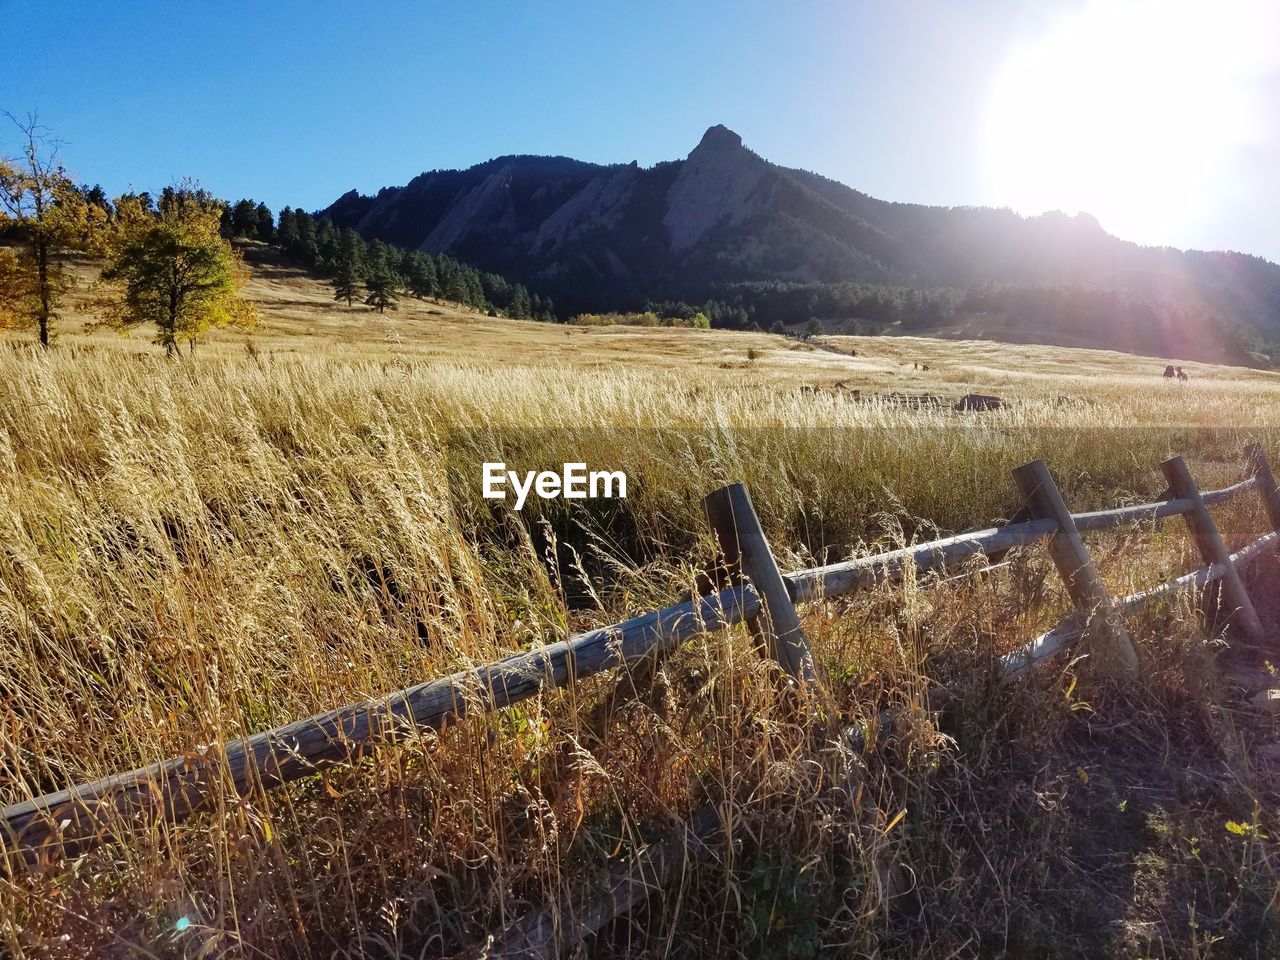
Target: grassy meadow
(192, 551)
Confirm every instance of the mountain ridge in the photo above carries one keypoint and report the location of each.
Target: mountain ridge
(613, 236)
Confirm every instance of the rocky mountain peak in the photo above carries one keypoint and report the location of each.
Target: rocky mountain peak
(718, 137)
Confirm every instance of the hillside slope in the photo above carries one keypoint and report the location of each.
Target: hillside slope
(298, 315)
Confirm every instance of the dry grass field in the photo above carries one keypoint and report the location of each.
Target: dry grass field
(196, 550)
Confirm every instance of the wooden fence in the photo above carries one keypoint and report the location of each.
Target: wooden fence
(757, 593)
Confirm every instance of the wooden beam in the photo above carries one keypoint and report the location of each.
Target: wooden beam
(742, 541)
(85, 814)
(1212, 548)
(1266, 482)
(1109, 640)
(1069, 632)
(82, 816)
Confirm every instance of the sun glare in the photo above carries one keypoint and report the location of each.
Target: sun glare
(1129, 111)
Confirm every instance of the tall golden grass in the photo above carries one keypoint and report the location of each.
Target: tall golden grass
(192, 552)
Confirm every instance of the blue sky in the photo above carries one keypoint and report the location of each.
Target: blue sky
(922, 100)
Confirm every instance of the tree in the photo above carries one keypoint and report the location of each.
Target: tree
(174, 269)
(41, 205)
(97, 197)
(327, 244)
(346, 285)
(544, 309)
(305, 247)
(266, 225)
(349, 267)
(381, 287)
(422, 275)
(244, 219)
(287, 231)
(521, 306)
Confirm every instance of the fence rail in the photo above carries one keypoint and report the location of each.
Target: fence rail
(81, 816)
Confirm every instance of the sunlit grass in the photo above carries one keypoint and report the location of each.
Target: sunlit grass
(195, 551)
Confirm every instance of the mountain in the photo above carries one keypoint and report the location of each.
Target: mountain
(724, 220)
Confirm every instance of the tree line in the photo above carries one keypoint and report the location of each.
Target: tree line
(169, 260)
(376, 273)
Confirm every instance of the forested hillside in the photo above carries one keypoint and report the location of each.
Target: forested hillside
(773, 244)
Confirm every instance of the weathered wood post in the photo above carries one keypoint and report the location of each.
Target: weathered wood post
(1212, 548)
(1261, 470)
(744, 547)
(1108, 639)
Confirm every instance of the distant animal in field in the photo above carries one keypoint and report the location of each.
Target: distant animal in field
(924, 367)
(1169, 373)
(1182, 374)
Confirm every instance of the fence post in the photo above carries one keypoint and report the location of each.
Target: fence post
(1212, 548)
(1109, 639)
(744, 547)
(1266, 482)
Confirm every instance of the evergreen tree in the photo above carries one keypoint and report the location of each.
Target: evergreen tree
(548, 312)
(97, 197)
(266, 226)
(457, 290)
(327, 246)
(349, 268)
(475, 290)
(244, 219)
(381, 287)
(305, 248)
(422, 275)
(346, 284)
(521, 306)
(287, 231)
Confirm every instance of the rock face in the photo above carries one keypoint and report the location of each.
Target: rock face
(612, 236)
(719, 183)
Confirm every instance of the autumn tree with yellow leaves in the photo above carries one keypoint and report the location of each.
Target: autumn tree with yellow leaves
(172, 268)
(43, 212)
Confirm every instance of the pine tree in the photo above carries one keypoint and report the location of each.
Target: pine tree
(266, 226)
(244, 219)
(328, 242)
(521, 306)
(304, 248)
(474, 296)
(346, 285)
(287, 231)
(545, 311)
(382, 289)
(349, 268)
(422, 276)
